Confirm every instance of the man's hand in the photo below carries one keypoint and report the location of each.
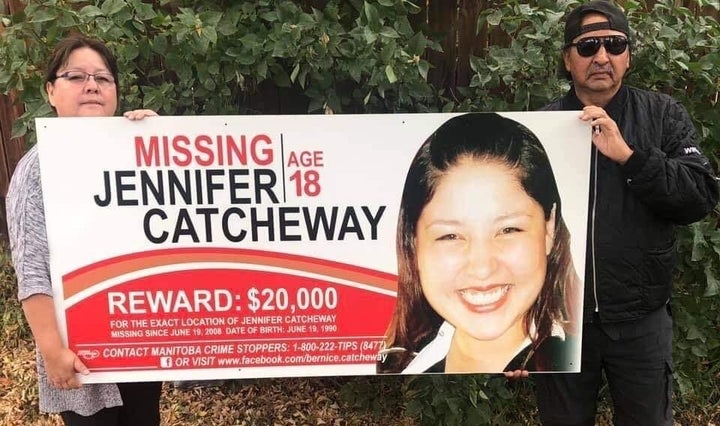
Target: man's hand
(606, 135)
(517, 374)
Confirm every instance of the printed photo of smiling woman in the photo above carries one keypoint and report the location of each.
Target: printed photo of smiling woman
(486, 281)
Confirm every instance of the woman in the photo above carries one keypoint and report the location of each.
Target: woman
(485, 275)
(81, 81)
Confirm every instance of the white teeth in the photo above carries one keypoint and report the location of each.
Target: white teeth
(488, 297)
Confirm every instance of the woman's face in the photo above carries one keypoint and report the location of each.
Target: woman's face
(77, 98)
(482, 244)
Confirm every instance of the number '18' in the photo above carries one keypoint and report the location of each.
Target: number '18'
(306, 182)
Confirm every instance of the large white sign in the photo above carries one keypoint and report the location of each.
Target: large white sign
(265, 246)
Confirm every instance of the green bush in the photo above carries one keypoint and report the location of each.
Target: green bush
(209, 57)
(521, 76)
(12, 322)
(352, 56)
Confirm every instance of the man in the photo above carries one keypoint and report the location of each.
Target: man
(647, 176)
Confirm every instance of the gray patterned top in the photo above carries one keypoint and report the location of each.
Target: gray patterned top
(29, 247)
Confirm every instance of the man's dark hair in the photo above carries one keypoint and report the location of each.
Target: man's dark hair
(616, 20)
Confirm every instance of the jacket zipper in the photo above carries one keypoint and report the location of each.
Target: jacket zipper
(592, 228)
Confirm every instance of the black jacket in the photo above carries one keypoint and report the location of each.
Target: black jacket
(553, 354)
(634, 208)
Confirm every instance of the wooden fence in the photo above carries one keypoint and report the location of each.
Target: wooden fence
(457, 19)
(11, 150)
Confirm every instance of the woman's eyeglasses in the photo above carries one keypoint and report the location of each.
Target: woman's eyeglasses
(614, 45)
(103, 79)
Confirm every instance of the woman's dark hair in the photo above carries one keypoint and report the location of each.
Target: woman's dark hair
(483, 137)
(68, 45)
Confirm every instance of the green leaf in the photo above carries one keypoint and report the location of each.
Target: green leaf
(417, 44)
(423, 68)
(306, 21)
(388, 52)
(90, 11)
(698, 245)
(495, 17)
(682, 65)
(372, 15)
(699, 352)
(131, 51)
(67, 19)
(112, 7)
(228, 25)
(694, 334)
(315, 104)
(295, 72)
(153, 98)
(667, 32)
(159, 45)
(480, 23)
(390, 73)
(281, 78)
(355, 71)
(369, 35)
(144, 11)
(19, 129)
(713, 285)
(271, 16)
(389, 32)
(412, 7)
(262, 69)
(210, 18)
(210, 34)
(366, 99)
(209, 84)
(44, 15)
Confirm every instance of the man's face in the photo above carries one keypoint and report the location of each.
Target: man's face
(601, 73)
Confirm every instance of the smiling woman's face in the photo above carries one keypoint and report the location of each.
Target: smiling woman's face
(83, 99)
(482, 245)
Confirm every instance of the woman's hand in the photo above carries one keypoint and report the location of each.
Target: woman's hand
(139, 114)
(61, 367)
(61, 364)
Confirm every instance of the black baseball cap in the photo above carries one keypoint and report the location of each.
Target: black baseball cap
(616, 19)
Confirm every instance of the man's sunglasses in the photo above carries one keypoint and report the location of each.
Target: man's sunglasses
(614, 45)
